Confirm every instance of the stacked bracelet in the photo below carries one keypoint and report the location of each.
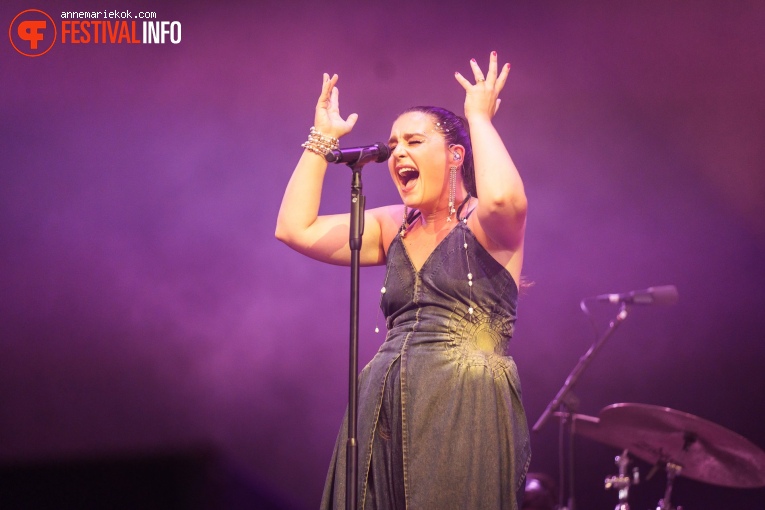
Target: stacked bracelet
(320, 144)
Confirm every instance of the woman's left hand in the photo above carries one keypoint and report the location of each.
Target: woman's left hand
(482, 99)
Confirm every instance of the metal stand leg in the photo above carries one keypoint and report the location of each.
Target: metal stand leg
(672, 471)
(622, 481)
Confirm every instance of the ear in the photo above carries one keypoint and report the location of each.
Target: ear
(456, 154)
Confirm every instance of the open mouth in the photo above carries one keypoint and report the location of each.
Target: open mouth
(408, 176)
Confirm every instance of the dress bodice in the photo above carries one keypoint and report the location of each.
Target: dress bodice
(460, 284)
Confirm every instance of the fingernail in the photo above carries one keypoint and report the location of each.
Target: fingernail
(472, 60)
(508, 65)
(493, 53)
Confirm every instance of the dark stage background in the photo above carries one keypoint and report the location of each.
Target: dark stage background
(156, 339)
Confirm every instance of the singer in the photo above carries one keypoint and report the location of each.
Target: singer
(441, 422)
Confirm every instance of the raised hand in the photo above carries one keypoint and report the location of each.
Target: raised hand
(482, 99)
(327, 118)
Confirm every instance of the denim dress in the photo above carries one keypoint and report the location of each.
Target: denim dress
(440, 422)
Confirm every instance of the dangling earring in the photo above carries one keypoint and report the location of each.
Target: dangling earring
(452, 191)
(404, 223)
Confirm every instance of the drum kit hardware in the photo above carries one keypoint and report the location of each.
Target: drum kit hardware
(679, 443)
(622, 482)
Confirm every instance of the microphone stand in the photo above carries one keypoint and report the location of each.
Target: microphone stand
(355, 238)
(356, 159)
(566, 400)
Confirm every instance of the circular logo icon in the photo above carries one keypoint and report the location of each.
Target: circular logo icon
(32, 32)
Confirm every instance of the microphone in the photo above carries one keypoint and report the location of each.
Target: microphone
(378, 153)
(662, 295)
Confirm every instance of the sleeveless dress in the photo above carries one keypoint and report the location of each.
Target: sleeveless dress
(440, 422)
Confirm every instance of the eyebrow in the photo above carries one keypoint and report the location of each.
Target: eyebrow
(406, 136)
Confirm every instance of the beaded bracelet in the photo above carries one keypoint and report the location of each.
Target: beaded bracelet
(320, 144)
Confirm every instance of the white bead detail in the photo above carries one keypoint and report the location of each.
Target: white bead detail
(470, 276)
(382, 291)
(470, 283)
(470, 310)
(465, 246)
(377, 330)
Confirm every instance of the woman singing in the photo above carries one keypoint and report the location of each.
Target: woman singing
(441, 424)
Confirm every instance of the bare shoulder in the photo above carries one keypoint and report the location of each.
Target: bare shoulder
(510, 257)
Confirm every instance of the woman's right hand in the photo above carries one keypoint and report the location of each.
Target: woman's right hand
(327, 119)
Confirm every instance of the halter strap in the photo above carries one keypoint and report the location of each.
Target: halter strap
(462, 205)
(415, 213)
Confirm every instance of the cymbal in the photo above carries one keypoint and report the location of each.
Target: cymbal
(705, 451)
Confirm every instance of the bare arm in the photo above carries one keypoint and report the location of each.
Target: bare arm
(502, 205)
(299, 225)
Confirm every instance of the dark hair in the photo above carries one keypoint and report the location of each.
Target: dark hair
(455, 131)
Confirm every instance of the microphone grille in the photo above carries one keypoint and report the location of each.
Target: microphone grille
(664, 294)
(332, 156)
(383, 152)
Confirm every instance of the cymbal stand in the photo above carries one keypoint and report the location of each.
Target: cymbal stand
(564, 398)
(672, 471)
(622, 481)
